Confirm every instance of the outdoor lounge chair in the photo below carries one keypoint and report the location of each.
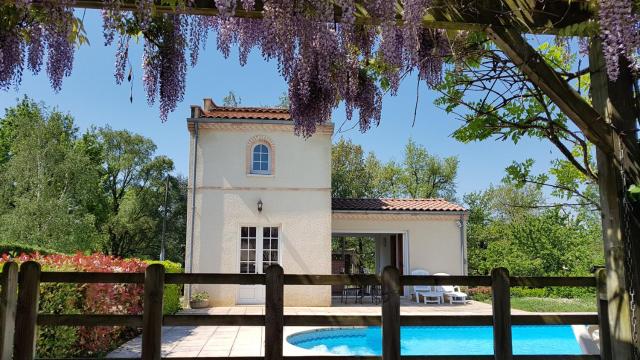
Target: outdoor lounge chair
(428, 293)
(451, 292)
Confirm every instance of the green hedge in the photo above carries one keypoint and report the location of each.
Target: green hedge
(15, 250)
(172, 292)
(484, 293)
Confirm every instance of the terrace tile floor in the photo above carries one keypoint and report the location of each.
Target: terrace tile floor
(207, 341)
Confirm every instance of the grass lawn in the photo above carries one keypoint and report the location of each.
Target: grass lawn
(535, 304)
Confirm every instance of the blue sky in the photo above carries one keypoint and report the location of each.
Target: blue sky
(92, 97)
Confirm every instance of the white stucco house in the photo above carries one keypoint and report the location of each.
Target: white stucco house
(258, 194)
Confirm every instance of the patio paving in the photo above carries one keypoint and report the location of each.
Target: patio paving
(207, 341)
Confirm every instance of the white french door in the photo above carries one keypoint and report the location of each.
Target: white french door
(259, 248)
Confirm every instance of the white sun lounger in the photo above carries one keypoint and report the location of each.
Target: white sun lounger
(428, 293)
(451, 292)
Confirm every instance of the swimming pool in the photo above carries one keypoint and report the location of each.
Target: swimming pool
(440, 340)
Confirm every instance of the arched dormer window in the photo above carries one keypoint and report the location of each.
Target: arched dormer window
(260, 156)
(260, 159)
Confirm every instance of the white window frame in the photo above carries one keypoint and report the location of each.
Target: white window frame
(253, 171)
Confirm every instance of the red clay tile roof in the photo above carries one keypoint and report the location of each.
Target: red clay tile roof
(394, 205)
(264, 113)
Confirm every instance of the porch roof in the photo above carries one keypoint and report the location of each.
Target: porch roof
(395, 205)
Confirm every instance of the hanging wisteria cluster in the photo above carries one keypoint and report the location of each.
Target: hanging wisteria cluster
(324, 59)
(620, 32)
(325, 55)
(28, 33)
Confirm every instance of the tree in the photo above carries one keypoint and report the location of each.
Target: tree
(569, 186)
(283, 101)
(350, 176)
(493, 98)
(509, 226)
(133, 186)
(231, 100)
(420, 175)
(427, 176)
(46, 181)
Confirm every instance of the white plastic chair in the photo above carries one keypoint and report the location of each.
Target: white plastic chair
(428, 293)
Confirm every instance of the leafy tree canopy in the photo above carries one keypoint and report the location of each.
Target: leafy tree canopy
(419, 175)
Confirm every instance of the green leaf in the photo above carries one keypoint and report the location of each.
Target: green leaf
(634, 192)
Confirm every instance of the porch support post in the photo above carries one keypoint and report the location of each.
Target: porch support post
(614, 100)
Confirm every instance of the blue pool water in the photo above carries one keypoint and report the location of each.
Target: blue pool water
(441, 340)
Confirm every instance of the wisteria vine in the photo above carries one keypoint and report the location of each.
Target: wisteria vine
(323, 59)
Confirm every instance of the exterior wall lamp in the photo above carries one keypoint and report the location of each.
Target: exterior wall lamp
(259, 205)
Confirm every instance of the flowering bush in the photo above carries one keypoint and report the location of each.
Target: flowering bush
(480, 293)
(90, 299)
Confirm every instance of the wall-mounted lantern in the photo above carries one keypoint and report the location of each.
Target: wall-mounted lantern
(259, 205)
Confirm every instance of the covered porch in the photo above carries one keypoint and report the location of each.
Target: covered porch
(409, 234)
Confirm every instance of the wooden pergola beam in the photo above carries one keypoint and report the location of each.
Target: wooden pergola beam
(588, 120)
(529, 16)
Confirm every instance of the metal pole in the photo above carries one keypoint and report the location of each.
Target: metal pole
(164, 219)
(193, 206)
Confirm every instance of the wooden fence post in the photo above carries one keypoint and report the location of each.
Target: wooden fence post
(152, 312)
(501, 296)
(27, 311)
(274, 313)
(8, 304)
(390, 313)
(603, 314)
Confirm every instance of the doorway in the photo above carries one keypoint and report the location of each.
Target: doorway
(259, 248)
(366, 253)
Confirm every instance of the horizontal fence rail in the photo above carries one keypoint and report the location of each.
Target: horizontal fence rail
(18, 330)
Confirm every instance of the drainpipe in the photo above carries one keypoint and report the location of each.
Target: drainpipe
(463, 252)
(193, 205)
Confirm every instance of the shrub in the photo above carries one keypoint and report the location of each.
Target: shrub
(85, 299)
(172, 292)
(58, 298)
(15, 250)
(527, 292)
(480, 293)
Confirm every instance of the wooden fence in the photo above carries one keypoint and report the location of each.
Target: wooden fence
(19, 315)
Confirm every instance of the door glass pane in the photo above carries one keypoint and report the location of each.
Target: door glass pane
(247, 250)
(269, 246)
